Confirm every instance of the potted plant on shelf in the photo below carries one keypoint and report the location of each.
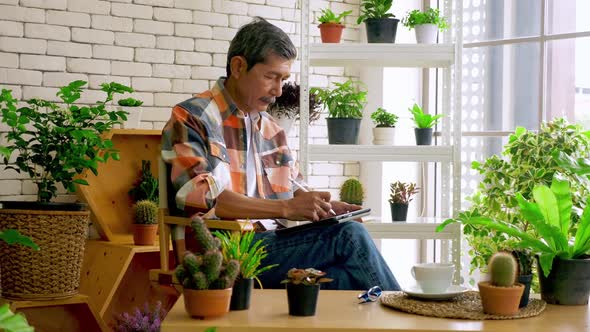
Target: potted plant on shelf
(285, 109)
(344, 104)
(303, 289)
(399, 199)
(424, 123)
(54, 143)
(384, 132)
(146, 185)
(561, 245)
(147, 319)
(381, 25)
(501, 295)
(249, 254)
(525, 259)
(427, 24)
(145, 225)
(206, 279)
(331, 25)
(352, 192)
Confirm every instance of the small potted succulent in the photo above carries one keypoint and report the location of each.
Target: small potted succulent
(285, 109)
(400, 198)
(303, 288)
(331, 25)
(424, 123)
(344, 103)
(501, 295)
(384, 131)
(427, 24)
(206, 279)
(242, 248)
(148, 319)
(381, 25)
(352, 192)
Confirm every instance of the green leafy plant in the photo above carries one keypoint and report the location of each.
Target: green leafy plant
(328, 16)
(309, 276)
(402, 193)
(343, 101)
(550, 215)
(242, 248)
(430, 16)
(146, 212)
(503, 268)
(12, 236)
(146, 185)
(54, 144)
(382, 118)
(352, 192)
(11, 322)
(423, 120)
(375, 9)
(525, 260)
(287, 104)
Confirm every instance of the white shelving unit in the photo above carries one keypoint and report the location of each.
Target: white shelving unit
(447, 153)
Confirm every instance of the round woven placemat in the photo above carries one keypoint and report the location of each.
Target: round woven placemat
(464, 306)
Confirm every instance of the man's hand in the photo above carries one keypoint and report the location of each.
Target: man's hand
(343, 207)
(312, 205)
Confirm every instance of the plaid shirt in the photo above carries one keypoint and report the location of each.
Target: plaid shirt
(205, 143)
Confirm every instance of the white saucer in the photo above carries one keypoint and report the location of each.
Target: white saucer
(452, 291)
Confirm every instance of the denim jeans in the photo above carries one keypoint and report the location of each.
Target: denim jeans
(344, 251)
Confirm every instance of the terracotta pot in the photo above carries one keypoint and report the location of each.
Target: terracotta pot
(144, 234)
(500, 300)
(207, 303)
(331, 32)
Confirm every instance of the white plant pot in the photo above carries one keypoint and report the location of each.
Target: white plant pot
(133, 118)
(285, 123)
(383, 136)
(426, 33)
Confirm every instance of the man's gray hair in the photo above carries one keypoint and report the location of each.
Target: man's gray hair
(256, 40)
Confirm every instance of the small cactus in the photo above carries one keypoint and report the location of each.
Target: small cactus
(352, 192)
(146, 212)
(502, 269)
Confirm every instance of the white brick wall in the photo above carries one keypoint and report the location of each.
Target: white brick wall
(165, 49)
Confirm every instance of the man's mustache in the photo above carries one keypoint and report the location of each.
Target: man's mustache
(268, 100)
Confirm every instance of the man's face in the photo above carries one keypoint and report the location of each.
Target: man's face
(259, 86)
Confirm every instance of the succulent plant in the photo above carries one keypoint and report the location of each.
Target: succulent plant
(502, 269)
(146, 212)
(309, 276)
(206, 270)
(352, 192)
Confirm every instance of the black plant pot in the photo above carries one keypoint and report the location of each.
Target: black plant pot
(399, 212)
(343, 130)
(241, 293)
(423, 136)
(381, 30)
(303, 299)
(568, 282)
(526, 281)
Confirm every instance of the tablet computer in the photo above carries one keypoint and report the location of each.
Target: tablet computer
(289, 226)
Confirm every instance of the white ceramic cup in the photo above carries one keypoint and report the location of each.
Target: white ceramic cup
(433, 277)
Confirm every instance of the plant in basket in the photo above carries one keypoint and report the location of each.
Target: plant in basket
(242, 248)
(400, 196)
(303, 287)
(331, 25)
(285, 109)
(55, 144)
(206, 279)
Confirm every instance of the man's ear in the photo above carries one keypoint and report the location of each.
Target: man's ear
(238, 66)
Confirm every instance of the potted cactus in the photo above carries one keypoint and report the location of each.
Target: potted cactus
(303, 289)
(145, 226)
(352, 192)
(501, 295)
(400, 198)
(206, 279)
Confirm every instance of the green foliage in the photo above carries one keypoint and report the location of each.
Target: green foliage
(53, 143)
(343, 101)
(12, 236)
(11, 322)
(529, 158)
(207, 269)
(550, 217)
(352, 192)
(375, 9)
(423, 120)
(525, 259)
(242, 248)
(146, 186)
(430, 16)
(146, 212)
(401, 192)
(502, 268)
(328, 16)
(309, 276)
(382, 118)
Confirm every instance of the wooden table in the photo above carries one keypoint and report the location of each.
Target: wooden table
(339, 311)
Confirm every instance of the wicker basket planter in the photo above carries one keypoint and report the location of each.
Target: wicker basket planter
(52, 272)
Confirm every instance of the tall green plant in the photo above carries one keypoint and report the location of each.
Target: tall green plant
(375, 9)
(423, 120)
(344, 101)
